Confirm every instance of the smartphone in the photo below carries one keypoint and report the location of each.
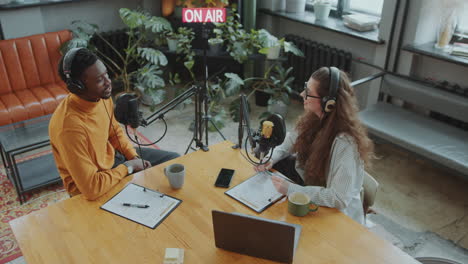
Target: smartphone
(224, 178)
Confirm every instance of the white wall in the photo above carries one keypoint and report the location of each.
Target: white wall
(36, 20)
(419, 29)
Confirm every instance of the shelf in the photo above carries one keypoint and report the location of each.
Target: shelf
(332, 24)
(38, 172)
(429, 50)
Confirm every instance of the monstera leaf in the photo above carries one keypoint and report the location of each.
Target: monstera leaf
(154, 56)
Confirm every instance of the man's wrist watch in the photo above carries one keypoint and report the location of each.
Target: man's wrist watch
(129, 168)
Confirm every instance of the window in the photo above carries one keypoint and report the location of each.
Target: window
(373, 7)
(463, 20)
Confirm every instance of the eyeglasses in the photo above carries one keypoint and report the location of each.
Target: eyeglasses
(307, 96)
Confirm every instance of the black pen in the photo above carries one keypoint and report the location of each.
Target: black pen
(136, 205)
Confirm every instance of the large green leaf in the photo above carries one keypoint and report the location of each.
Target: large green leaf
(189, 64)
(158, 95)
(158, 25)
(290, 47)
(152, 55)
(131, 18)
(233, 84)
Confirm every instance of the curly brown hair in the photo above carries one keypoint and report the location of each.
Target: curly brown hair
(316, 135)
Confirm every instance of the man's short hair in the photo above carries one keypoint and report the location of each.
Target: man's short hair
(83, 59)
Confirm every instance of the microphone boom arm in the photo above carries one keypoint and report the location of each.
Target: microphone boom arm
(170, 105)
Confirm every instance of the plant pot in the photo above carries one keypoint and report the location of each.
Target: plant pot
(322, 11)
(215, 49)
(261, 98)
(273, 52)
(172, 44)
(278, 107)
(295, 6)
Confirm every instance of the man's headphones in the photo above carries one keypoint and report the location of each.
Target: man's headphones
(329, 101)
(74, 86)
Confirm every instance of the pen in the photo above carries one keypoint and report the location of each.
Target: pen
(136, 205)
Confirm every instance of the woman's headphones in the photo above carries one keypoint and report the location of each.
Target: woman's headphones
(74, 86)
(329, 101)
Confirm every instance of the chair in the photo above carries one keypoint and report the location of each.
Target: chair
(368, 193)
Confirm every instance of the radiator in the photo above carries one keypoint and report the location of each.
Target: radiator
(316, 55)
(119, 40)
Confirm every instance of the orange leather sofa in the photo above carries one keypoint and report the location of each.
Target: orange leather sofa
(29, 83)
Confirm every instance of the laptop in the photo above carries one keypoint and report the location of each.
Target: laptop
(255, 236)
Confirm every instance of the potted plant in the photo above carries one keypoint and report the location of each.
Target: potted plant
(239, 43)
(272, 45)
(295, 6)
(172, 41)
(322, 9)
(276, 82)
(216, 45)
(139, 67)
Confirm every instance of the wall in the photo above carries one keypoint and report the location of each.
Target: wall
(419, 28)
(370, 52)
(36, 20)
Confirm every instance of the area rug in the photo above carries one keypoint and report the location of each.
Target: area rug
(10, 207)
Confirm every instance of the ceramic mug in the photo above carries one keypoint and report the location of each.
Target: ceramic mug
(175, 174)
(299, 204)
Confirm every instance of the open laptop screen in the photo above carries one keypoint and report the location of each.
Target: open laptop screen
(255, 236)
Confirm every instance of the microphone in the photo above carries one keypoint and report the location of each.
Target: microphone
(126, 110)
(272, 132)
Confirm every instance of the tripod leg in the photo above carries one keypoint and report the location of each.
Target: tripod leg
(188, 147)
(221, 134)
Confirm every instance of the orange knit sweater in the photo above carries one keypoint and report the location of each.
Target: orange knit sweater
(83, 143)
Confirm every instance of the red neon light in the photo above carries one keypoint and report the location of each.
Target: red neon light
(202, 15)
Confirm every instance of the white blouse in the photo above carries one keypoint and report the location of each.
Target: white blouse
(344, 181)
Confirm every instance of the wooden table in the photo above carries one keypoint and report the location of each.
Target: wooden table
(77, 231)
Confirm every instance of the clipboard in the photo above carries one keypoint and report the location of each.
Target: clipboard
(257, 192)
(159, 204)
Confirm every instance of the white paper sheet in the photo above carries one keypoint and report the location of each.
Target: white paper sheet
(257, 192)
(160, 205)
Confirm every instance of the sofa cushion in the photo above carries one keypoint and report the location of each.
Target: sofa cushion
(29, 82)
(30, 103)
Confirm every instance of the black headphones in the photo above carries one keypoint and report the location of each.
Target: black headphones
(74, 86)
(329, 101)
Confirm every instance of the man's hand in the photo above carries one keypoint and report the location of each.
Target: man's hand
(137, 164)
(263, 167)
(280, 184)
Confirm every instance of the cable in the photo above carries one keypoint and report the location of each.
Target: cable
(149, 144)
(139, 147)
(115, 132)
(249, 159)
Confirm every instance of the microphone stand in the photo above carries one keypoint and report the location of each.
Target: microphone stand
(202, 104)
(244, 119)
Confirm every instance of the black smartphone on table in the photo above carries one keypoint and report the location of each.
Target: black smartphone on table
(224, 178)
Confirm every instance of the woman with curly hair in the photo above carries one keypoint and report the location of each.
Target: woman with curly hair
(326, 154)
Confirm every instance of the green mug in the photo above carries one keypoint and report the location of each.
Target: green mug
(299, 204)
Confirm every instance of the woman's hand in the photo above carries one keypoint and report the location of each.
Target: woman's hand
(280, 184)
(263, 167)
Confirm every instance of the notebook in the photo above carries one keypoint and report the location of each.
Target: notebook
(255, 236)
(156, 206)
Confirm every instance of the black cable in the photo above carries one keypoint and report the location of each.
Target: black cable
(254, 162)
(115, 132)
(139, 147)
(149, 144)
